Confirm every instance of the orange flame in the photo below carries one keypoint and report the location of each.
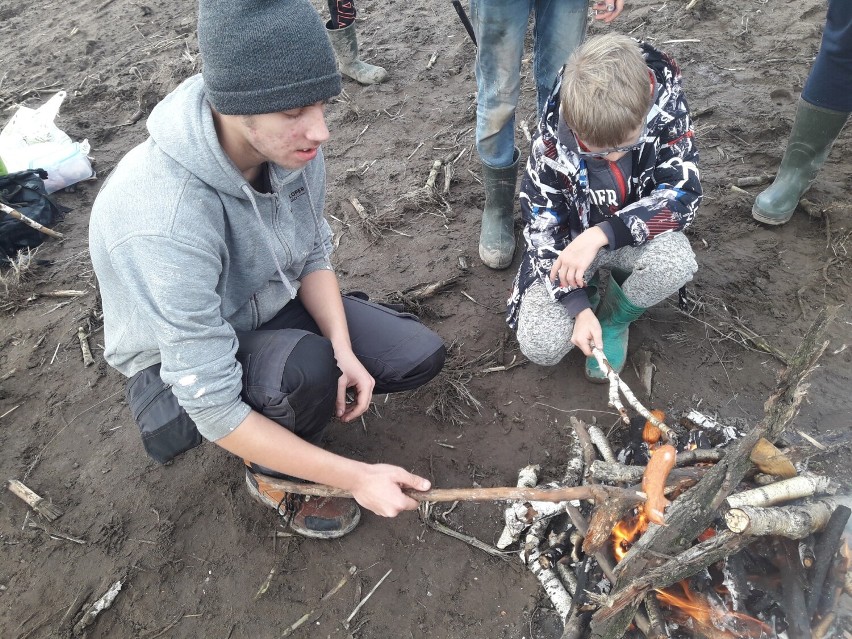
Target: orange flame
(695, 610)
(710, 619)
(625, 533)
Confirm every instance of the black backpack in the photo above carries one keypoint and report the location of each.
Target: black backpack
(24, 191)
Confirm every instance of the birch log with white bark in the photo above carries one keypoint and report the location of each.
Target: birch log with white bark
(783, 491)
(547, 577)
(793, 522)
(515, 514)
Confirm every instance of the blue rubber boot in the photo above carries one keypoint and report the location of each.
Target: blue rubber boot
(615, 314)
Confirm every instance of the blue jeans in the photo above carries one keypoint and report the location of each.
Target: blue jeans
(500, 27)
(829, 84)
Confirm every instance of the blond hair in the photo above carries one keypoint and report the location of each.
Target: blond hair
(606, 90)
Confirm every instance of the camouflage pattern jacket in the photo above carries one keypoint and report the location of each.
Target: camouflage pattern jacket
(555, 201)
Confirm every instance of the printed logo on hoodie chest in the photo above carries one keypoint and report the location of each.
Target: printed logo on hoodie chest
(297, 193)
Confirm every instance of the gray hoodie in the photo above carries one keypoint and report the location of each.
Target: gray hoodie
(186, 252)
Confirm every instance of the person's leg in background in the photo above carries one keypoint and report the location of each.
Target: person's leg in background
(344, 39)
(822, 111)
(500, 26)
(560, 26)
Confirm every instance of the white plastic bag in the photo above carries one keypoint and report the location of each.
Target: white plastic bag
(31, 140)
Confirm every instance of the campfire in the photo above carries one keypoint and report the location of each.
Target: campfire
(693, 529)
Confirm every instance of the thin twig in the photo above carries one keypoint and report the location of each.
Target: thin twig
(426, 512)
(167, 628)
(364, 600)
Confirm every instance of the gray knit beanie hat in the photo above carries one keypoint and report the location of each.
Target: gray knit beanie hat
(265, 56)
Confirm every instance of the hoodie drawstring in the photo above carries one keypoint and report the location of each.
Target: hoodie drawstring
(292, 291)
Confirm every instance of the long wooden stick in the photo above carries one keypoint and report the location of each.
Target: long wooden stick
(29, 221)
(502, 493)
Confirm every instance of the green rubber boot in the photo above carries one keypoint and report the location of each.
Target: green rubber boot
(497, 237)
(345, 44)
(814, 131)
(616, 313)
(593, 291)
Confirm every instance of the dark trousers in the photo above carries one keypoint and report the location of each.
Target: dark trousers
(289, 371)
(342, 13)
(829, 84)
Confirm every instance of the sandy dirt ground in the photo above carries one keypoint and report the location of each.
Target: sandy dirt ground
(193, 551)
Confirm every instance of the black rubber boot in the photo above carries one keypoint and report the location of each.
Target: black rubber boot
(814, 131)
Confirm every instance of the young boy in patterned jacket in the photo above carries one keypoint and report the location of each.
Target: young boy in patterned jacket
(611, 183)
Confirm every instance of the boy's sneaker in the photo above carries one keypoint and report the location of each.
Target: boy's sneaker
(315, 517)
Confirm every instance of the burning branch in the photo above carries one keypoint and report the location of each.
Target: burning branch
(677, 569)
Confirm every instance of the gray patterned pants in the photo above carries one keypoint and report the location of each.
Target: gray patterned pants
(657, 269)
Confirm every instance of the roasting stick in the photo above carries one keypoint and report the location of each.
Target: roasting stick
(616, 384)
(504, 493)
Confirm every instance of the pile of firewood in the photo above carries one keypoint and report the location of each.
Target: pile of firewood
(691, 529)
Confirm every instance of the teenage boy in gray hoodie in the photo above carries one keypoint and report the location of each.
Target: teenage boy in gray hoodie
(212, 256)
